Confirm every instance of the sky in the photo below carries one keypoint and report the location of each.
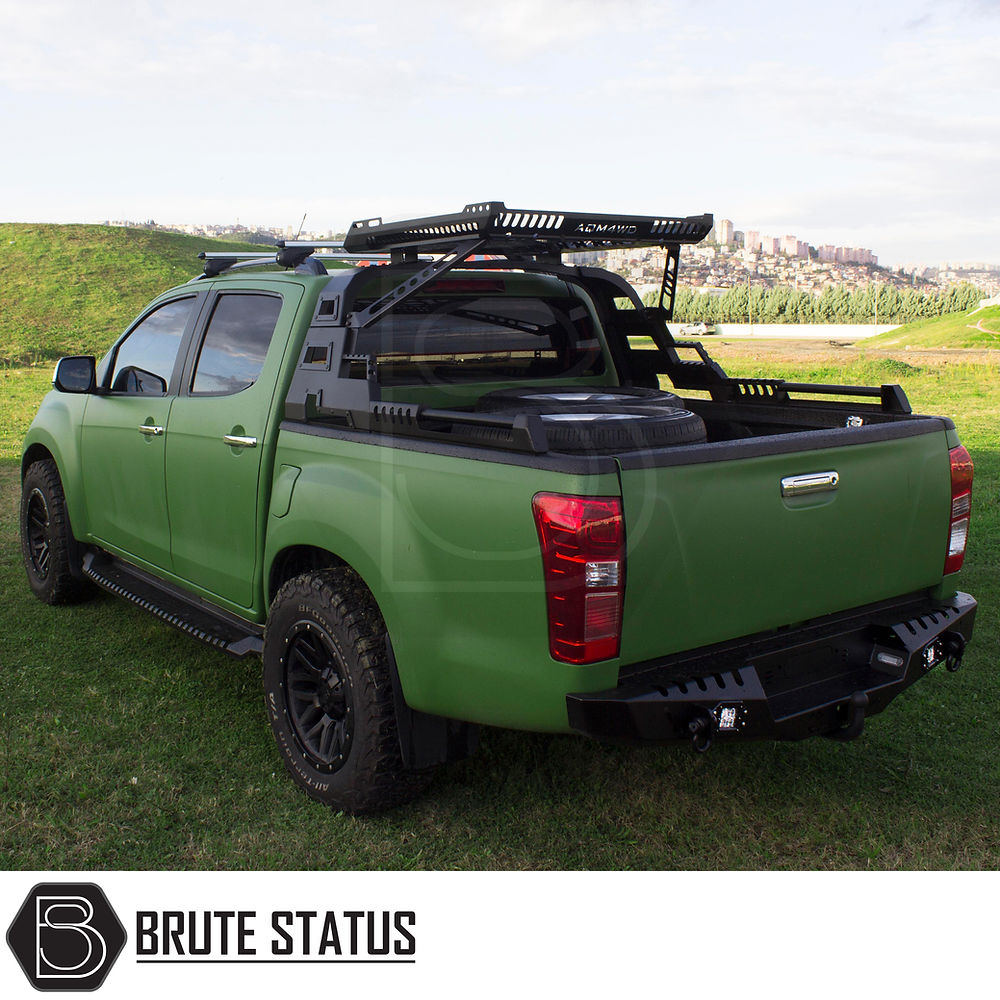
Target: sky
(870, 124)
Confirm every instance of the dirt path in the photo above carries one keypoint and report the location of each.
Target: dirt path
(982, 329)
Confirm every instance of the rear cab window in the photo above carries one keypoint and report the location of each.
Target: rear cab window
(235, 344)
(484, 328)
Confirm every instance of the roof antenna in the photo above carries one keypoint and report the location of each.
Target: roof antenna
(301, 224)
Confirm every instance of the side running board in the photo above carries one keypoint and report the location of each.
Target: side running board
(184, 611)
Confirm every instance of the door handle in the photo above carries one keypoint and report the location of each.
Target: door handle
(239, 441)
(817, 482)
(150, 430)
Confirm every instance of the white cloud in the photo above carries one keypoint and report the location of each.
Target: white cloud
(833, 119)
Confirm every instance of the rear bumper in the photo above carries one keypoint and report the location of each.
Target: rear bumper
(821, 679)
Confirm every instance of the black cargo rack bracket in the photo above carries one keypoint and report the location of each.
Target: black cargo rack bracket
(411, 286)
(706, 374)
(891, 398)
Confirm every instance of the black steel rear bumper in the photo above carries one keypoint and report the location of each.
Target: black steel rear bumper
(820, 679)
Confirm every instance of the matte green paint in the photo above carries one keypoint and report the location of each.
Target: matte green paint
(57, 429)
(123, 476)
(450, 550)
(715, 552)
(281, 492)
(213, 489)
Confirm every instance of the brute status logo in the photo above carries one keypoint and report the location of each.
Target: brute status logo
(66, 936)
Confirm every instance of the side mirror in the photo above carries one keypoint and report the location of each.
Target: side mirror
(75, 374)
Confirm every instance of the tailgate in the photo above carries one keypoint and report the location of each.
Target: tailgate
(715, 551)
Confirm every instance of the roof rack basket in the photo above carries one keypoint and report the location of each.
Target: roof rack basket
(524, 232)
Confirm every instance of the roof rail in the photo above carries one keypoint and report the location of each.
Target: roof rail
(312, 244)
(524, 232)
(294, 256)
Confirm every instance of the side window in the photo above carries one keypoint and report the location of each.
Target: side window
(235, 345)
(145, 359)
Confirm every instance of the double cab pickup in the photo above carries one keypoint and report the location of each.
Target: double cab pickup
(440, 477)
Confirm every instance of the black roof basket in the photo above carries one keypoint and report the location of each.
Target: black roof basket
(524, 232)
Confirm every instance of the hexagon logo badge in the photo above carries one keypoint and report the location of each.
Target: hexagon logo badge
(66, 936)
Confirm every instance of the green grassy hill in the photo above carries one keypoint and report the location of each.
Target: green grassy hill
(979, 329)
(73, 289)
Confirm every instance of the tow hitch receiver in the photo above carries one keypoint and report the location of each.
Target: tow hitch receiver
(954, 650)
(702, 729)
(855, 710)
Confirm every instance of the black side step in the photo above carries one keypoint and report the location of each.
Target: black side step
(186, 612)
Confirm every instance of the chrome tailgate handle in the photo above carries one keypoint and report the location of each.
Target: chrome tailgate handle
(150, 430)
(815, 482)
(239, 441)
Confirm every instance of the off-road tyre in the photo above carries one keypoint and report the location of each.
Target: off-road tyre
(607, 430)
(51, 554)
(329, 697)
(552, 397)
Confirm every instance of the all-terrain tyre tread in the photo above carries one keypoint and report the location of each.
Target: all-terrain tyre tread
(60, 586)
(378, 778)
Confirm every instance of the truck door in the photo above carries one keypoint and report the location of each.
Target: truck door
(124, 432)
(216, 439)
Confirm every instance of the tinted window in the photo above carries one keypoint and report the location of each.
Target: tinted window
(450, 338)
(145, 359)
(234, 348)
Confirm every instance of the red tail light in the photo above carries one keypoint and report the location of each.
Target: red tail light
(961, 507)
(583, 556)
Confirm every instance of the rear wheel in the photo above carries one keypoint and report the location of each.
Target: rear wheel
(47, 544)
(329, 696)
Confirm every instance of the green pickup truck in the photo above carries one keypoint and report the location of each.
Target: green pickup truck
(453, 480)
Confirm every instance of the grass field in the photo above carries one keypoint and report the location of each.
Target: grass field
(72, 289)
(124, 744)
(979, 329)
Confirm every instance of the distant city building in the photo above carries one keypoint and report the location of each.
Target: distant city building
(789, 245)
(752, 240)
(725, 231)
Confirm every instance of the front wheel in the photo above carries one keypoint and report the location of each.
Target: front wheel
(47, 544)
(329, 696)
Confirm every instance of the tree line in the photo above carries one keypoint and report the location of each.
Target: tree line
(783, 304)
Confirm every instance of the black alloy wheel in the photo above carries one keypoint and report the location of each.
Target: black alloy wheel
(51, 555)
(36, 529)
(319, 696)
(330, 695)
